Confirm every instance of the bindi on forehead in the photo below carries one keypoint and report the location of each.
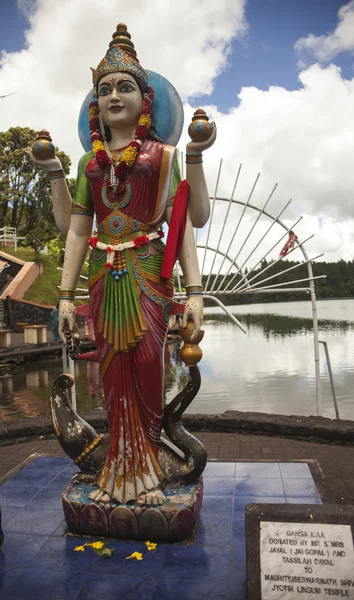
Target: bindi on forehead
(116, 80)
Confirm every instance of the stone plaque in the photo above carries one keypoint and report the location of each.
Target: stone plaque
(296, 552)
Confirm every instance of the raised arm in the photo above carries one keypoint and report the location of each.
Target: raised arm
(60, 193)
(199, 202)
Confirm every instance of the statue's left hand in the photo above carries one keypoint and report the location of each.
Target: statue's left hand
(195, 147)
(194, 309)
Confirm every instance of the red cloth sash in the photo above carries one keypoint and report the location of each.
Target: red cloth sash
(176, 229)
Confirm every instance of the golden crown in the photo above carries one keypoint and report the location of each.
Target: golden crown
(120, 56)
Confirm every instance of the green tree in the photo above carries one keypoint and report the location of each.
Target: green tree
(37, 238)
(25, 198)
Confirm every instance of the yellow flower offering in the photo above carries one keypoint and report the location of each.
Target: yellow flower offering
(136, 555)
(97, 545)
(97, 145)
(150, 545)
(92, 112)
(145, 120)
(129, 155)
(79, 548)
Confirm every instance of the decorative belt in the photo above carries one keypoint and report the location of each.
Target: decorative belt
(113, 250)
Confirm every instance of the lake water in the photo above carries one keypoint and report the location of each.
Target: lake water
(269, 369)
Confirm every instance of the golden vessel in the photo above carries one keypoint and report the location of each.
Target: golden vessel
(43, 147)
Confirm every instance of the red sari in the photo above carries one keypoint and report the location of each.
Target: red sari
(130, 316)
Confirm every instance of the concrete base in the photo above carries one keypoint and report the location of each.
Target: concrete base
(173, 521)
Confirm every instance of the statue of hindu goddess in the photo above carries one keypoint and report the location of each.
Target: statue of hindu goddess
(130, 182)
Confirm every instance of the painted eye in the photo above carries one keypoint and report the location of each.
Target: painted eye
(127, 87)
(104, 91)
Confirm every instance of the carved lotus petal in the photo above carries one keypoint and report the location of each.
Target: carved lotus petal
(94, 520)
(182, 525)
(153, 526)
(123, 523)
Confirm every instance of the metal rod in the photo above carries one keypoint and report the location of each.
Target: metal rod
(238, 225)
(219, 303)
(269, 251)
(239, 287)
(222, 232)
(211, 216)
(275, 220)
(256, 221)
(262, 271)
(272, 290)
(275, 275)
(276, 285)
(325, 345)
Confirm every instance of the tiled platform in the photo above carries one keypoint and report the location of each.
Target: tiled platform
(37, 560)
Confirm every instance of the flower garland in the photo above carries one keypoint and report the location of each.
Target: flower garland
(119, 169)
(140, 240)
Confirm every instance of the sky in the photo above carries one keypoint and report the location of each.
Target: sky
(277, 76)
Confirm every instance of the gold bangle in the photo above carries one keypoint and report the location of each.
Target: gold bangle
(194, 160)
(194, 288)
(67, 294)
(56, 174)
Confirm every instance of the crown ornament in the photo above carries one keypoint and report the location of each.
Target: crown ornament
(120, 56)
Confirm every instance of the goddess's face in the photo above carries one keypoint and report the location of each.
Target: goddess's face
(120, 100)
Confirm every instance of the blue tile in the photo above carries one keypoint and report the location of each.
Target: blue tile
(72, 469)
(35, 521)
(7, 513)
(117, 588)
(19, 549)
(45, 464)
(238, 533)
(17, 495)
(218, 486)
(241, 502)
(35, 479)
(118, 563)
(65, 476)
(194, 562)
(213, 531)
(303, 500)
(7, 579)
(48, 497)
(248, 486)
(192, 590)
(54, 462)
(237, 575)
(59, 553)
(219, 469)
(295, 471)
(61, 530)
(39, 584)
(300, 487)
(250, 469)
(217, 505)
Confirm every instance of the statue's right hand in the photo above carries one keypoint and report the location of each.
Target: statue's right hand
(67, 315)
(50, 164)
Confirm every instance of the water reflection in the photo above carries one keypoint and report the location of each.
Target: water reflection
(270, 369)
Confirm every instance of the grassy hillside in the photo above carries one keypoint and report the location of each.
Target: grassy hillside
(44, 290)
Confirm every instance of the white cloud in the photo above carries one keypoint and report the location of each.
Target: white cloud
(51, 77)
(301, 139)
(326, 47)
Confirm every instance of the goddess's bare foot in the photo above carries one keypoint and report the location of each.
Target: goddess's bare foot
(99, 496)
(154, 497)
